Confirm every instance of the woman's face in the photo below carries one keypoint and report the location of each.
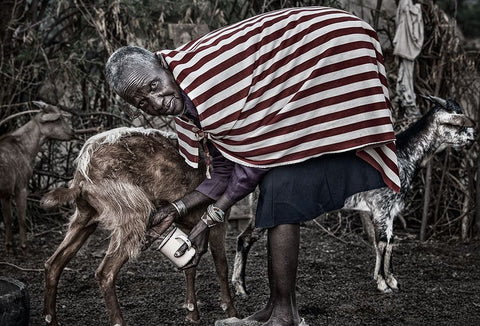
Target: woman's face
(153, 90)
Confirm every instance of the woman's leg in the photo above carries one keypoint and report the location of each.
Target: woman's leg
(283, 246)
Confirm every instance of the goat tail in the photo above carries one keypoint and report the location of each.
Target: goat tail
(56, 197)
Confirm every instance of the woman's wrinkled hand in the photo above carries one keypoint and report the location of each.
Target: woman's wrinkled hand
(159, 222)
(199, 239)
(161, 214)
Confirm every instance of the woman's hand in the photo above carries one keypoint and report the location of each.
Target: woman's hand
(159, 222)
(199, 239)
(201, 231)
(161, 214)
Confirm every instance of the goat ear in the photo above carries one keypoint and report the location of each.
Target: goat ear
(50, 117)
(457, 120)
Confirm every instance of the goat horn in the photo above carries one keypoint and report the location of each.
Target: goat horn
(39, 104)
(43, 105)
(439, 100)
(18, 114)
(435, 99)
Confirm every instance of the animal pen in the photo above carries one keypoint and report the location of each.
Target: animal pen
(57, 54)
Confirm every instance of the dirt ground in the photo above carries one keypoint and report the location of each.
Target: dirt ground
(440, 282)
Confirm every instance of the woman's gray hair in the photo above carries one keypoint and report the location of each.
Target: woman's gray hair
(121, 63)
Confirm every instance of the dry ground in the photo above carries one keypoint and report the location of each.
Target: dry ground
(440, 282)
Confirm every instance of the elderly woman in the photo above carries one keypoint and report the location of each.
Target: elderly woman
(294, 101)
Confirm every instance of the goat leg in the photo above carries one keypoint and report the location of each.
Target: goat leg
(368, 225)
(380, 268)
(217, 248)
(193, 315)
(54, 266)
(388, 267)
(386, 283)
(106, 275)
(21, 201)
(7, 220)
(245, 241)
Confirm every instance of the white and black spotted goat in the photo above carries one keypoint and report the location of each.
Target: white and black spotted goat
(442, 126)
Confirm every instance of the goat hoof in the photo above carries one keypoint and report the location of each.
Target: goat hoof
(147, 242)
(193, 318)
(224, 306)
(384, 289)
(392, 283)
(242, 294)
(388, 290)
(189, 306)
(25, 249)
(240, 289)
(232, 312)
(229, 309)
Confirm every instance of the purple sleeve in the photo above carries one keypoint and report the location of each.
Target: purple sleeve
(243, 181)
(229, 178)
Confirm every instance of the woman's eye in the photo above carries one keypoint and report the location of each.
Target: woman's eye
(153, 85)
(142, 104)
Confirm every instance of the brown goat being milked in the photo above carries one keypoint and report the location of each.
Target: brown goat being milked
(122, 176)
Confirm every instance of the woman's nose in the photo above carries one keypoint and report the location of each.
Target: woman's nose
(156, 101)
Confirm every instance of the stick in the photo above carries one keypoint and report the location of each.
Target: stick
(21, 268)
(28, 269)
(17, 114)
(330, 233)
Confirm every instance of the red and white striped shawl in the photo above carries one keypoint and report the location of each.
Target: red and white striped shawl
(286, 86)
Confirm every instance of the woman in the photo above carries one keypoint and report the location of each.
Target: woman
(295, 101)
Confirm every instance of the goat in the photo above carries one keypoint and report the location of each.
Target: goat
(18, 149)
(122, 175)
(444, 125)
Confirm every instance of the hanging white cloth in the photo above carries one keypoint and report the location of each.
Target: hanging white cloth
(405, 83)
(409, 35)
(407, 43)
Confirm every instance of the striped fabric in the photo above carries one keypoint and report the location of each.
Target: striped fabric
(286, 86)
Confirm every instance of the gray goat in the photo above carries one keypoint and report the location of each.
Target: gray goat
(444, 125)
(18, 150)
(122, 176)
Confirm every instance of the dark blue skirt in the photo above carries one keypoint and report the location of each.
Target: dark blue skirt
(300, 192)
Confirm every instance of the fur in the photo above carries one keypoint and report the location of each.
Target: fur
(121, 177)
